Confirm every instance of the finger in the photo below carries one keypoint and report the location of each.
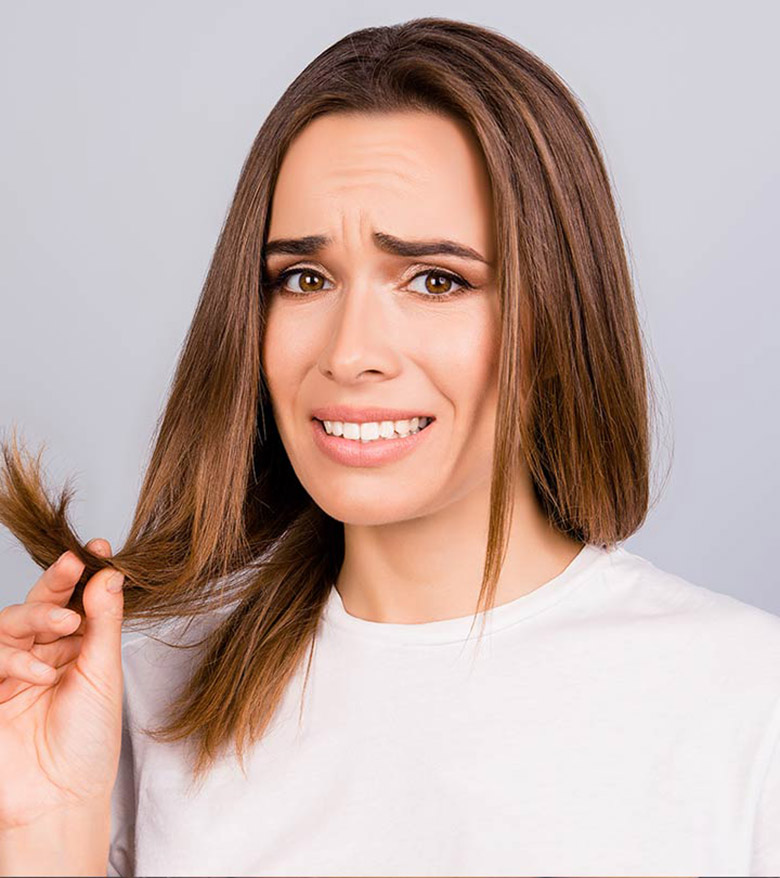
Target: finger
(19, 664)
(43, 621)
(100, 547)
(100, 657)
(59, 653)
(36, 665)
(56, 583)
(16, 677)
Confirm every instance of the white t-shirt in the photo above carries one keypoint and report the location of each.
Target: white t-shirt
(617, 720)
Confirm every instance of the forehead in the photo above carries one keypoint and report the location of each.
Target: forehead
(412, 173)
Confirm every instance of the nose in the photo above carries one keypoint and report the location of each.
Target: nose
(362, 340)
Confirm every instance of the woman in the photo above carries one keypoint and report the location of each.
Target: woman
(423, 265)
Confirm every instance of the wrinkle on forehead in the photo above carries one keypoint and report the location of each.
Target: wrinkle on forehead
(413, 174)
(370, 188)
(387, 178)
(365, 147)
(354, 170)
(362, 155)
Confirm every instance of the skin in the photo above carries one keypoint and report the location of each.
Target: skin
(365, 334)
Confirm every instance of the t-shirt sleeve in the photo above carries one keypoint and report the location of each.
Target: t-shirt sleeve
(121, 855)
(765, 854)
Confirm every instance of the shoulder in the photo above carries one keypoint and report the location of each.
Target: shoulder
(656, 591)
(730, 637)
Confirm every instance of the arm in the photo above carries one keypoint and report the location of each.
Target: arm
(65, 843)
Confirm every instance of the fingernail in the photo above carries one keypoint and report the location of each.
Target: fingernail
(115, 581)
(60, 558)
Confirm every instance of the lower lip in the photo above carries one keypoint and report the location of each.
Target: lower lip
(354, 452)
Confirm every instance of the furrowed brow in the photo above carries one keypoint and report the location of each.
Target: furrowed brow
(391, 244)
(306, 246)
(310, 245)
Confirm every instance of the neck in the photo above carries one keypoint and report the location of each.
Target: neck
(429, 568)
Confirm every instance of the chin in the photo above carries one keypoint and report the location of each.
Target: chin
(370, 510)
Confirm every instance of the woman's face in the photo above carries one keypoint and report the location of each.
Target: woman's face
(360, 321)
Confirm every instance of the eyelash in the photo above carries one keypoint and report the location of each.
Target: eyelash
(278, 282)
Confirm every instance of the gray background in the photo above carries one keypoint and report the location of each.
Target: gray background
(124, 129)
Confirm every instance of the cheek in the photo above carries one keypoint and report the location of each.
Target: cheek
(285, 353)
(463, 355)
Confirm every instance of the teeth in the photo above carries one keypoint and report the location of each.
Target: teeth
(368, 432)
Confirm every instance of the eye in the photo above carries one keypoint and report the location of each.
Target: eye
(438, 283)
(310, 281)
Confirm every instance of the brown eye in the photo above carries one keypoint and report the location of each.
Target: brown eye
(441, 284)
(309, 281)
(438, 283)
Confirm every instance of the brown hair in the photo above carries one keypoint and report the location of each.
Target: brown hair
(221, 515)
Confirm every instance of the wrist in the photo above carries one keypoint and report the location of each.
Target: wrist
(67, 842)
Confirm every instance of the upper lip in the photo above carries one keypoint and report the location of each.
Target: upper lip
(364, 415)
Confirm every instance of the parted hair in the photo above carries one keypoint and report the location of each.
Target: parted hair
(224, 529)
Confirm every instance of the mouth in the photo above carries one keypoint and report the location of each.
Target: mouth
(376, 431)
(371, 443)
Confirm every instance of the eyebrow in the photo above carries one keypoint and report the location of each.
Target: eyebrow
(310, 245)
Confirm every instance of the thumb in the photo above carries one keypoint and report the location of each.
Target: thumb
(100, 656)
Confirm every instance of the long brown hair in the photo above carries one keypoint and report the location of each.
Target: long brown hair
(224, 527)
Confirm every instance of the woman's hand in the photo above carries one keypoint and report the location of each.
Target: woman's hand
(60, 731)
